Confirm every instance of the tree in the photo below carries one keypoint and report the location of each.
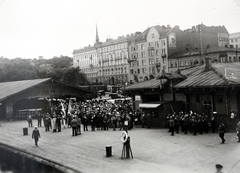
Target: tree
(73, 76)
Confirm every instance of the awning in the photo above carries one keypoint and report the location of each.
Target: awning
(148, 105)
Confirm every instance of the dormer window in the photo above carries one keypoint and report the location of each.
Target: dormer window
(152, 35)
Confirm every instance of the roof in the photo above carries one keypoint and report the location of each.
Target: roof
(148, 105)
(221, 74)
(10, 88)
(149, 84)
(173, 76)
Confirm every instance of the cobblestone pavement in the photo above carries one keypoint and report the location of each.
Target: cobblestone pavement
(154, 150)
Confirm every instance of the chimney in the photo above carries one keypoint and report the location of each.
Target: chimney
(208, 65)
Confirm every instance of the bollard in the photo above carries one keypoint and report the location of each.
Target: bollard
(25, 131)
(108, 151)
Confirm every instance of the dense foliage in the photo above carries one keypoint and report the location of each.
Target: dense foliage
(58, 68)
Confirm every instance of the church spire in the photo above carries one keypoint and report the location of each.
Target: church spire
(97, 38)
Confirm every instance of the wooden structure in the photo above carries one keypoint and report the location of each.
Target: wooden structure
(33, 94)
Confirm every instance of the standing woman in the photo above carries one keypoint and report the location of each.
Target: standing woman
(221, 131)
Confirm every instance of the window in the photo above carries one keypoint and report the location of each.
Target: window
(186, 63)
(181, 63)
(137, 63)
(152, 35)
(150, 44)
(143, 62)
(157, 52)
(144, 70)
(151, 53)
(151, 61)
(171, 64)
(230, 59)
(153, 69)
(143, 46)
(143, 54)
(176, 64)
(131, 64)
(163, 42)
(131, 71)
(138, 70)
(156, 44)
(164, 59)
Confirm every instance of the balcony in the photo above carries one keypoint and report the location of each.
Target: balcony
(131, 59)
(158, 64)
(164, 55)
(151, 48)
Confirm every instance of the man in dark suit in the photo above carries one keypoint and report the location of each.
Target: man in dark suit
(36, 135)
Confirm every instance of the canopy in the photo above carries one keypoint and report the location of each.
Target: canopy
(148, 105)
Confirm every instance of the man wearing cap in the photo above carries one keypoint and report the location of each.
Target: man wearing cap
(219, 168)
(36, 135)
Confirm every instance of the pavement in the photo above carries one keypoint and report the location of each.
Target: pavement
(154, 150)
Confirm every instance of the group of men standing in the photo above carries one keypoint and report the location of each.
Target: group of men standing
(198, 124)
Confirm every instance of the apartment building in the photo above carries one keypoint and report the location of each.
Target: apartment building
(234, 40)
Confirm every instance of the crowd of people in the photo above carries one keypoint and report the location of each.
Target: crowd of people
(93, 115)
(198, 124)
(101, 115)
(191, 123)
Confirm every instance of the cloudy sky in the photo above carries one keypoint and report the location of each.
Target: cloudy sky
(48, 28)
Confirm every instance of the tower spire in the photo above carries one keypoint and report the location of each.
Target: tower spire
(97, 38)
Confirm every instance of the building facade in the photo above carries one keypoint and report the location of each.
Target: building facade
(86, 59)
(192, 45)
(145, 55)
(148, 54)
(234, 40)
(112, 60)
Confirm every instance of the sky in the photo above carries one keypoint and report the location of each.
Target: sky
(48, 28)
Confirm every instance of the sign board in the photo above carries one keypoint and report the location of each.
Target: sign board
(223, 39)
(172, 39)
(137, 97)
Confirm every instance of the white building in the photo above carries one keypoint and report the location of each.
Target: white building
(234, 39)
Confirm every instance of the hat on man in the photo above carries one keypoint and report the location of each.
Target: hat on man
(218, 166)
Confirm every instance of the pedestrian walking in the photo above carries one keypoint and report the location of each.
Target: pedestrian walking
(36, 135)
(221, 131)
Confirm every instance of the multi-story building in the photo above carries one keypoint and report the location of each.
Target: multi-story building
(112, 59)
(193, 44)
(87, 60)
(234, 40)
(149, 53)
(145, 55)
